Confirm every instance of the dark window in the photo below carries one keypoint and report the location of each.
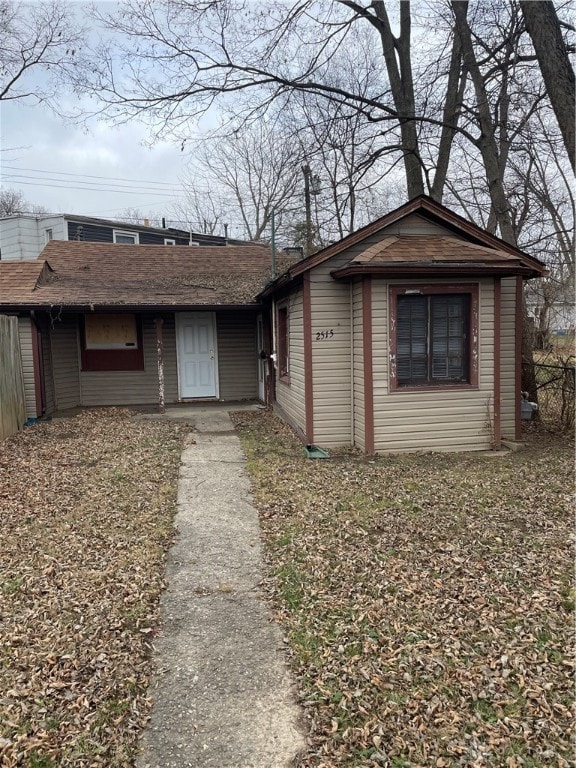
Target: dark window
(283, 342)
(433, 339)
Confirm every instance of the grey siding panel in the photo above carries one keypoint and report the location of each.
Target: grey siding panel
(237, 356)
(64, 352)
(414, 224)
(290, 396)
(434, 420)
(507, 357)
(134, 387)
(48, 374)
(26, 350)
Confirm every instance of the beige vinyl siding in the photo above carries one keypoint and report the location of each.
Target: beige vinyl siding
(237, 356)
(331, 356)
(359, 432)
(507, 358)
(27, 353)
(290, 396)
(65, 362)
(433, 420)
(414, 224)
(136, 387)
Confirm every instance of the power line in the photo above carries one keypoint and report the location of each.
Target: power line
(87, 175)
(95, 189)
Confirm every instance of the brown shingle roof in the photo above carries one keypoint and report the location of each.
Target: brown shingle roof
(407, 249)
(103, 274)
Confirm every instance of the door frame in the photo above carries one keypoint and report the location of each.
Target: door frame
(260, 347)
(180, 317)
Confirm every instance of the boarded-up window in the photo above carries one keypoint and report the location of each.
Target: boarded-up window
(112, 342)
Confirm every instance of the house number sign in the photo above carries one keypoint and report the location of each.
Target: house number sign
(324, 335)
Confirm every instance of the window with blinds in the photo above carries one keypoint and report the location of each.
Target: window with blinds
(432, 339)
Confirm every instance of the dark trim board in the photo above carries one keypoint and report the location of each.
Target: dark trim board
(368, 365)
(308, 375)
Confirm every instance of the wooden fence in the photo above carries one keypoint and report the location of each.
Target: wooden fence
(12, 406)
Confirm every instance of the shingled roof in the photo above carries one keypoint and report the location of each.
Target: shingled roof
(72, 274)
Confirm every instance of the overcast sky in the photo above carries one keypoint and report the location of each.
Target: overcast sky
(56, 165)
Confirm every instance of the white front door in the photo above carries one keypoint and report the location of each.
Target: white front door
(197, 358)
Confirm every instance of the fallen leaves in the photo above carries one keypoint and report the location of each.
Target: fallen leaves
(86, 510)
(427, 600)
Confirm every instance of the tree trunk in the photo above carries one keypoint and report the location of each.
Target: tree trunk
(487, 141)
(399, 67)
(544, 29)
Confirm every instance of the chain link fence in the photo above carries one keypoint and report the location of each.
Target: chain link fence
(556, 394)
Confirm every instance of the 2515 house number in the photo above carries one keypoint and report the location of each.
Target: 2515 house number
(324, 335)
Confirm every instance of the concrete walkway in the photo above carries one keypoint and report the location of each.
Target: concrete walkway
(221, 691)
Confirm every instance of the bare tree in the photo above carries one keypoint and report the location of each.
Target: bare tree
(34, 37)
(258, 168)
(544, 28)
(13, 203)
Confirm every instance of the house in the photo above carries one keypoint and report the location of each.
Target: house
(24, 236)
(403, 336)
(102, 324)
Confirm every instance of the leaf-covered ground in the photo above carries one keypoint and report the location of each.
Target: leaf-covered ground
(86, 515)
(426, 598)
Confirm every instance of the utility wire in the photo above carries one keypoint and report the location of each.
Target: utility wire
(85, 175)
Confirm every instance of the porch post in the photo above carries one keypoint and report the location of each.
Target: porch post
(160, 357)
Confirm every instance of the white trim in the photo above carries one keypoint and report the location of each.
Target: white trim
(125, 233)
(169, 241)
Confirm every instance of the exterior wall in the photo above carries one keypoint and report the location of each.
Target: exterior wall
(136, 387)
(331, 354)
(26, 350)
(433, 420)
(237, 366)
(237, 356)
(65, 362)
(507, 357)
(22, 238)
(291, 396)
(48, 374)
(358, 366)
(414, 224)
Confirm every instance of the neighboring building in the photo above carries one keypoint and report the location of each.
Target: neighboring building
(23, 237)
(403, 336)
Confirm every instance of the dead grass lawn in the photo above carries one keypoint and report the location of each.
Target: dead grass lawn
(86, 510)
(427, 600)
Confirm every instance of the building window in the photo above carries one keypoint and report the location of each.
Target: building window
(112, 342)
(129, 238)
(48, 235)
(434, 336)
(167, 241)
(283, 340)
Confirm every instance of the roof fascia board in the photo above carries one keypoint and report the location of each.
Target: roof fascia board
(434, 270)
(433, 210)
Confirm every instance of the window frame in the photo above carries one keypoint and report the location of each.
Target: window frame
(472, 290)
(48, 235)
(169, 241)
(283, 341)
(125, 233)
(94, 359)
